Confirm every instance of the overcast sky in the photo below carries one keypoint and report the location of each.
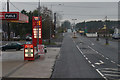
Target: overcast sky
(63, 0)
(87, 10)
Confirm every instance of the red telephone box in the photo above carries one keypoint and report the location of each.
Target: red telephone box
(28, 52)
(36, 23)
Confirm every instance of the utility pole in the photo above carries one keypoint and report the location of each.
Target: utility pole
(8, 22)
(38, 21)
(74, 24)
(54, 23)
(84, 27)
(50, 24)
(107, 42)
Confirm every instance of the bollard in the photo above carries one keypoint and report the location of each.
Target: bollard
(107, 43)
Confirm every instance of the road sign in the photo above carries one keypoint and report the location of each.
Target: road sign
(28, 52)
(14, 17)
(40, 49)
(10, 16)
(36, 23)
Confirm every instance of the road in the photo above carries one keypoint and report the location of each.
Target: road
(80, 57)
(84, 57)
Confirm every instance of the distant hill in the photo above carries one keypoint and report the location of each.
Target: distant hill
(93, 26)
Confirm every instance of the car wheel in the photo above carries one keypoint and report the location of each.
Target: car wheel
(3, 50)
(17, 49)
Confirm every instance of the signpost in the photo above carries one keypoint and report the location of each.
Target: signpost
(37, 23)
(40, 49)
(28, 52)
(10, 16)
(31, 51)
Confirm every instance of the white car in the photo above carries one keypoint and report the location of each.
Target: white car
(116, 36)
(28, 38)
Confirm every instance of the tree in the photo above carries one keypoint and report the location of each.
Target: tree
(93, 26)
(66, 24)
(26, 28)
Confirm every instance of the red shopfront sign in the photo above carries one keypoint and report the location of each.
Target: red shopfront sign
(36, 23)
(14, 17)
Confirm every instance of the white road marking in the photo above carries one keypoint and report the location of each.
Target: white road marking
(79, 49)
(86, 58)
(96, 52)
(101, 62)
(103, 56)
(92, 65)
(112, 61)
(107, 58)
(91, 48)
(110, 69)
(89, 62)
(73, 41)
(101, 74)
(92, 44)
(97, 63)
(111, 72)
(113, 75)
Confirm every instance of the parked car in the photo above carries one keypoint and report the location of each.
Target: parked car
(12, 45)
(16, 38)
(28, 38)
(116, 36)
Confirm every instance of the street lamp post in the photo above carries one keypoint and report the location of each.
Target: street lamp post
(74, 33)
(74, 23)
(85, 28)
(8, 22)
(38, 22)
(97, 35)
(57, 18)
(51, 19)
(50, 24)
(107, 42)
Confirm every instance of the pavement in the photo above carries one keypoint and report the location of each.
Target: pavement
(84, 57)
(14, 66)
